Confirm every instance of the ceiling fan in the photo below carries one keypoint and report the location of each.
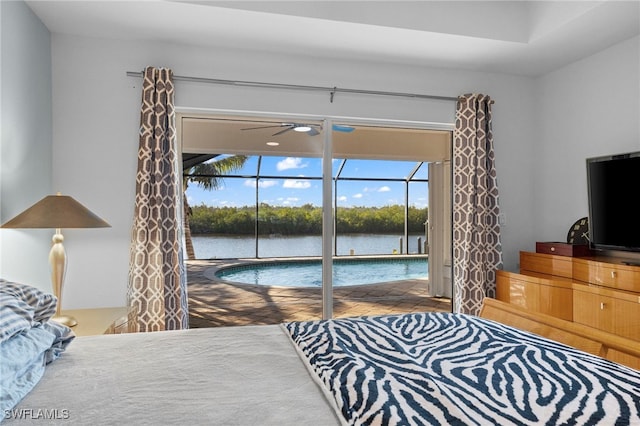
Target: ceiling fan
(310, 129)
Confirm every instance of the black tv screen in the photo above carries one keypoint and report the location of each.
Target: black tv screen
(614, 192)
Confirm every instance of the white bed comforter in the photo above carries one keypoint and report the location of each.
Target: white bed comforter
(247, 375)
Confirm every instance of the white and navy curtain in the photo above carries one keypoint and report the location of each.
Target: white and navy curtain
(157, 288)
(477, 250)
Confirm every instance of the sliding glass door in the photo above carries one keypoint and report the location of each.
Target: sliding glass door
(352, 200)
(382, 218)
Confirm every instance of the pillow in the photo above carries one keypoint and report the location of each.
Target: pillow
(43, 303)
(15, 316)
(24, 357)
(28, 341)
(63, 335)
(22, 307)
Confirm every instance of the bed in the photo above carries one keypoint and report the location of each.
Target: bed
(418, 368)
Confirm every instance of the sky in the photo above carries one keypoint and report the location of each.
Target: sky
(297, 189)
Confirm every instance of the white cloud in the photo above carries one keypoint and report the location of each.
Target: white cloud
(342, 198)
(357, 196)
(291, 163)
(380, 189)
(289, 201)
(262, 183)
(296, 184)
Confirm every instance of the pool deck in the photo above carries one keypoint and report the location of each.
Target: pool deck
(215, 303)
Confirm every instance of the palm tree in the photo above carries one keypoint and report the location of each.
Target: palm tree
(207, 175)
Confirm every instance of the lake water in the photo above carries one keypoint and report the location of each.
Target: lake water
(223, 247)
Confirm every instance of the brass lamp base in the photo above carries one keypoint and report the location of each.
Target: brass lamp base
(57, 211)
(67, 320)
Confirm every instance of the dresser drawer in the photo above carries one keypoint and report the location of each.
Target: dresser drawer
(616, 312)
(542, 263)
(622, 277)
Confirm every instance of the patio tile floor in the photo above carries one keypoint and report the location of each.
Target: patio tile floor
(215, 303)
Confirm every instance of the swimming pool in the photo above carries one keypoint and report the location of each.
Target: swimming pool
(308, 273)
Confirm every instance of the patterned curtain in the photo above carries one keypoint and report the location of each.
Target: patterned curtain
(157, 287)
(477, 251)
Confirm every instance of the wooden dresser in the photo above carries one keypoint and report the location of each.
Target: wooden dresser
(599, 292)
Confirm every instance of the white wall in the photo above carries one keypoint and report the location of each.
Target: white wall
(544, 129)
(586, 109)
(96, 124)
(25, 150)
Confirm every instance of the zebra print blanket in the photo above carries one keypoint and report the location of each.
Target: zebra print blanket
(454, 369)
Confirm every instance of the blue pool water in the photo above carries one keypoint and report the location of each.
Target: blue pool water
(309, 273)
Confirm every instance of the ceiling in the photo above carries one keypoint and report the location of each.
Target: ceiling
(205, 134)
(527, 38)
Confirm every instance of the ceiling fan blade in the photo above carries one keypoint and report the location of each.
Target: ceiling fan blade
(312, 132)
(262, 127)
(342, 128)
(282, 131)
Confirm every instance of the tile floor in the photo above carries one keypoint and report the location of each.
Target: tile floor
(214, 303)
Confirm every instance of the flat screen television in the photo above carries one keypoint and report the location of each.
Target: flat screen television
(613, 183)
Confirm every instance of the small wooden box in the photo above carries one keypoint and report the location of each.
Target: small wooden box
(563, 249)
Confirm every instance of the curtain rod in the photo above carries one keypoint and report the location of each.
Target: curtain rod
(332, 90)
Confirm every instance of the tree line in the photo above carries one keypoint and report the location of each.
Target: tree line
(304, 220)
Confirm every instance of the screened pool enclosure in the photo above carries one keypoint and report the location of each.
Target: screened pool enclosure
(271, 206)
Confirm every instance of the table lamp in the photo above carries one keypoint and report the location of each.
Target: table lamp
(57, 211)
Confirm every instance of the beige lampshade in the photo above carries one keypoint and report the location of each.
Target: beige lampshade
(56, 211)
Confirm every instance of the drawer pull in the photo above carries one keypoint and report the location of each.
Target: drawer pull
(614, 274)
(552, 249)
(602, 305)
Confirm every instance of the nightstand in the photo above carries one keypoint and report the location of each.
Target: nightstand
(101, 320)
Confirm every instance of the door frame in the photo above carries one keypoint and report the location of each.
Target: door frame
(435, 227)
